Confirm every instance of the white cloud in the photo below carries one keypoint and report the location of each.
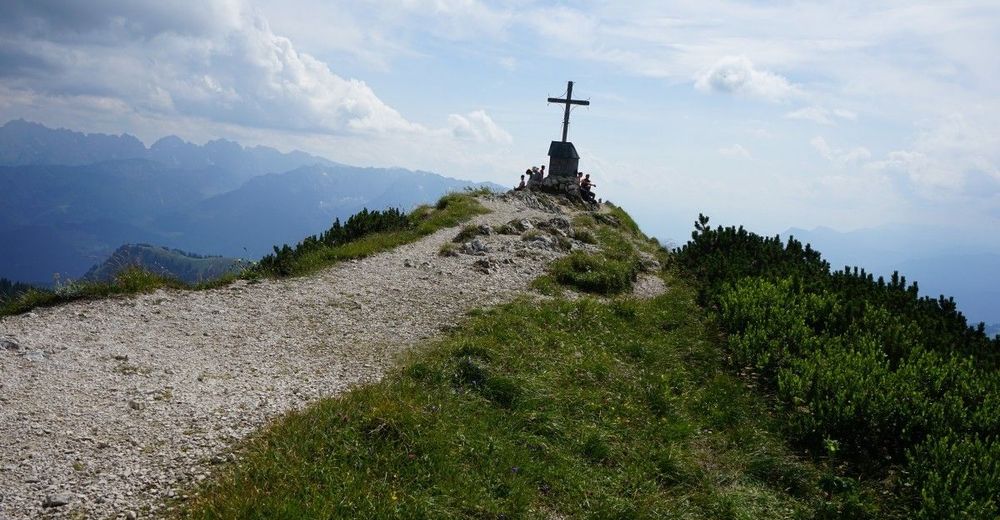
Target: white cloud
(508, 63)
(736, 150)
(845, 114)
(815, 114)
(477, 126)
(840, 156)
(818, 114)
(737, 75)
(231, 69)
(955, 157)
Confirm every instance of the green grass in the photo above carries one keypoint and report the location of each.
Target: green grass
(451, 210)
(608, 272)
(585, 408)
(616, 408)
(132, 280)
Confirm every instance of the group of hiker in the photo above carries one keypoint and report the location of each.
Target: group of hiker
(535, 174)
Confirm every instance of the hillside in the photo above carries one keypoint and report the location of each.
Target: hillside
(544, 360)
(171, 263)
(148, 390)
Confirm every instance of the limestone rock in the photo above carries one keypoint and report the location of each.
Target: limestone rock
(559, 222)
(8, 343)
(475, 247)
(648, 262)
(57, 500)
(485, 265)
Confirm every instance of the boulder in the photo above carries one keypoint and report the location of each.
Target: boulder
(57, 500)
(475, 247)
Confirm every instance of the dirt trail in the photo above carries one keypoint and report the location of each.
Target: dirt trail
(115, 405)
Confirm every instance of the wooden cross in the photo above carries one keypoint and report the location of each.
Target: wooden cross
(568, 101)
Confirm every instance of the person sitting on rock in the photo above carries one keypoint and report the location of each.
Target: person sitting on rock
(586, 186)
(531, 176)
(522, 185)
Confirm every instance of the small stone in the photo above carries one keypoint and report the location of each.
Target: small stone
(408, 263)
(559, 222)
(485, 265)
(120, 357)
(135, 405)
(8, 343)
(475, 247)
(57, 500)
(130, 515)
(36, 356)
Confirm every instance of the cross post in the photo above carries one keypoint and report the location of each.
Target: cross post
(568, 101)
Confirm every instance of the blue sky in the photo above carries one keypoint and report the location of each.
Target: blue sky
(770, 114)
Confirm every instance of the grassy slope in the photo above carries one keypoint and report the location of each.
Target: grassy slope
(450, 211)
(598, 407)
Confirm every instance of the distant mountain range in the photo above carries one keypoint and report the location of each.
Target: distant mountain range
(71, 199)
(941, 262)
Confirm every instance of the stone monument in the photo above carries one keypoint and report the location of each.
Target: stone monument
(564, 162)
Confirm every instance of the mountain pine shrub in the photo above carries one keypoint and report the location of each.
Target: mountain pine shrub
(900, 382)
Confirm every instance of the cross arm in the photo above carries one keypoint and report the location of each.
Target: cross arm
(571, 101)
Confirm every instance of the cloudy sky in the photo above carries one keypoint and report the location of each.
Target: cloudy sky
(770, 114)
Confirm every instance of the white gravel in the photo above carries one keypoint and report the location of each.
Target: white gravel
(113, 406)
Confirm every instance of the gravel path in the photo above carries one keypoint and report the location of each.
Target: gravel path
(112, 406)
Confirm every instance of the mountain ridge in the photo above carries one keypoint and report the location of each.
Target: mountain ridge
(217, 198)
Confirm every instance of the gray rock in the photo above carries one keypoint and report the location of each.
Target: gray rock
(518, 226)
(136, 405)
(475, 247)
(485, 265)
(648, 262)
(541, 242)
(610, 220)
(560, 222)
(8, 343)
(36, 356)
(57, 500)
(485, 229)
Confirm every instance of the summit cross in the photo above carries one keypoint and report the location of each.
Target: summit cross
(568, 102)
